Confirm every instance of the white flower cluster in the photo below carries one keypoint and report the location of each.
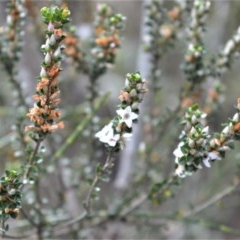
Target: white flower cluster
(193, 150)
(198, 14)
(112, 135)
(196, 148)
(230, 50)
(119, 129)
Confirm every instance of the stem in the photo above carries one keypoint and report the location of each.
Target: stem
(106, 166)
(31, 159)
(87, 203)
(212, 200)
(139, 200)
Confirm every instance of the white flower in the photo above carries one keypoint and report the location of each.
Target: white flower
(47, 59)
(178, 151)
(127, 116)
(127, 82)
(50, 27)
(57, 53)
(181, 171)
(205, 130)
(236, 117)
(228, 47)
(193, 130)
(52, 40)
(43, 73)
(210, 156)
(227, 130)
(106, 135)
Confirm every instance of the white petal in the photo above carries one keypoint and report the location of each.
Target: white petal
(206, 162)
(205, 130)
(180, 171)
(213, 155)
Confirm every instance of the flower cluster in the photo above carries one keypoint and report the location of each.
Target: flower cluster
(197, 148)
(74, 51)
(45, 111)
(12, 34)
(161, 28)
(119, 129)
(224, 141)
(108, 27)
(162, 24)
(71, 47)
(193, 66)
(231, 49)
(10, 195)
(215, 96)
(192, 150)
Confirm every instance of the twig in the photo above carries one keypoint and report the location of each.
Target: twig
(212, 200)
(106, 166)
(134, 204)
(31, 159)
(87, 202)
(138, 201)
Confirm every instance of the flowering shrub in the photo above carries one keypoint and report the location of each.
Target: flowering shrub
(65, 147)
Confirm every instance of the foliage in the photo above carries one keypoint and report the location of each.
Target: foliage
(84, 203)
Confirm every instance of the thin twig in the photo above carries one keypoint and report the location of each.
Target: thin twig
(31, 159)
(138, 201)
(212, 200)
(106, 166)
(87, 202)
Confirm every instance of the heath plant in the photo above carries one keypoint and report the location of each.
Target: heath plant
(60, 156)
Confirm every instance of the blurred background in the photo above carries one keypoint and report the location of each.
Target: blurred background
(222, 22)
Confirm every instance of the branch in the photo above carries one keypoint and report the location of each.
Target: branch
(211, 201)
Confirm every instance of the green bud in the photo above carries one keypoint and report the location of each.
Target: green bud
(65, 13)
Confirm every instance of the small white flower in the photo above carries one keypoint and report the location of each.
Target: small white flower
(191, 143)
(178, 152)
(47, 59)
(113, 139)
(106, 135)
(194, 119)
(50, 27)
(205, 130)
(43, 73)
(9, 20)
(236, 117)
(12, 191)
(224, 148)
(193, 131)
(193, 152)
(227, 130)
(180, 171)
(127, 116)
(210, 157)
(52, 40)
(57, 53)
(127, 82)
(133, 93)
(228, 47)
